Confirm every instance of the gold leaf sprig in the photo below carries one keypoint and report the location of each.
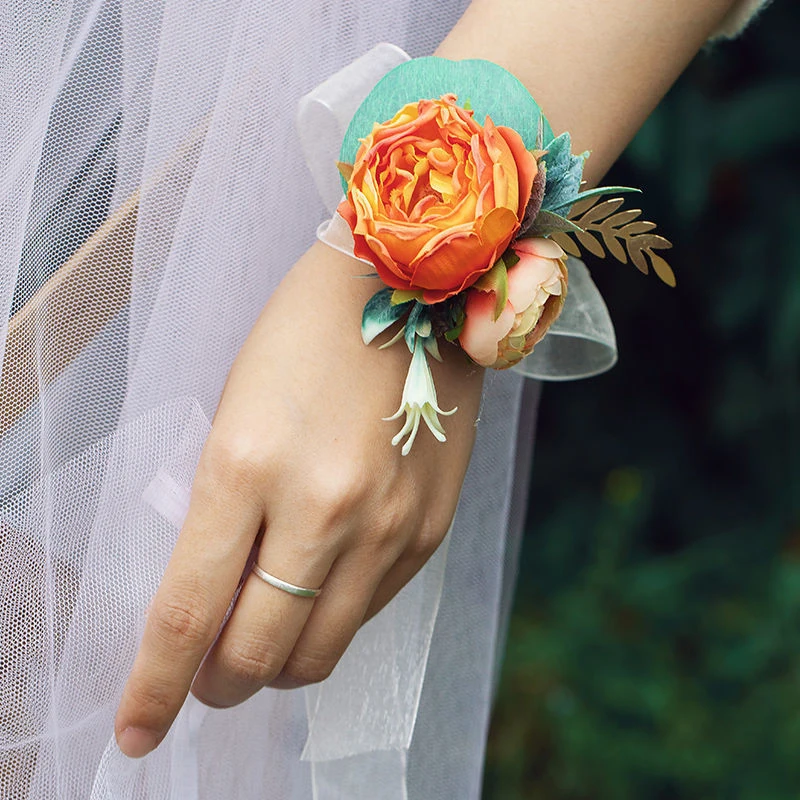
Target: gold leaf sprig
(622, 233)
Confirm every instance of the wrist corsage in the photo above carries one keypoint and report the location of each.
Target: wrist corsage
(469, 224)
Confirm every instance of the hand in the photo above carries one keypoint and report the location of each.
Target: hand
(300, 467)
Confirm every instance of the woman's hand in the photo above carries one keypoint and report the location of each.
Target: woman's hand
(298, 464)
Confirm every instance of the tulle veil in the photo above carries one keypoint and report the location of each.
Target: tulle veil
(154, 193)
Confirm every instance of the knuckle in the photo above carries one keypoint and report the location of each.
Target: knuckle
(385, 537)
(248, 666)
(153, 702)
(182, 620)
(334, 494)
(391, 528)
(303, 669)
(429, 536)
(423, 547)
(233, 461)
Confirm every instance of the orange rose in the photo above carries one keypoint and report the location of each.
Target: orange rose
(435, 198)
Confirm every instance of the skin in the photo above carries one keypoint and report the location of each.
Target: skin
(298, 465)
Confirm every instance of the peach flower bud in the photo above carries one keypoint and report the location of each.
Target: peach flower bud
(537, 286)
(435, 198)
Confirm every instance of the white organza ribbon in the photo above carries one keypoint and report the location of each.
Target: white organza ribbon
(581, 342)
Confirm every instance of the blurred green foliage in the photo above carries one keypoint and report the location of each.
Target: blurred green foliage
(655, 644)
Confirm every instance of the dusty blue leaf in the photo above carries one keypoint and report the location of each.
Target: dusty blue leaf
(432, 346)
(548, 222)
(417, 313)
(558, 154)
(379, 314)
(564, 173)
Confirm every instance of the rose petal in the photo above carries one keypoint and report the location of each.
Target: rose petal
(526, 278)
(498, 226)
(538, 246)
(526, 164)
(481, 333)
(505, 173)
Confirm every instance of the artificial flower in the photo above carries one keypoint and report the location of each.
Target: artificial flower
(537, 286)
(434, 198)
(419, 401)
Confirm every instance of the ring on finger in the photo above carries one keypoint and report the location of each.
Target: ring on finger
(285, 586)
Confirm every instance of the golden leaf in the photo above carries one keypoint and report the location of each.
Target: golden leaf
(640, 226)
(639, 245)
(622, 232)
(639, 260)
(623, 217)
(590, 243)
(613, 246)
(600, 211)
(581, 206)
(662, 269)
(566, 244)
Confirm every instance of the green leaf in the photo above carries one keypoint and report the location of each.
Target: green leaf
(455, 332)
(395, 339)
(380, 314)
(600, 190)
(495, 280)
(457, 322)
(400, 296)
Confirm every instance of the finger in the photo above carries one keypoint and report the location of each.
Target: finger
(186, 613)
(266, 621)
(335, 619)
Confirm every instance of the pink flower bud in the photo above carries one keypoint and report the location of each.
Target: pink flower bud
(537, 287)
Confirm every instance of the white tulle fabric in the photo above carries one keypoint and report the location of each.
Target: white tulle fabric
(153, 195)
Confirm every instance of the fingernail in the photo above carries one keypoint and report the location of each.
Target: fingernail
(136, 742)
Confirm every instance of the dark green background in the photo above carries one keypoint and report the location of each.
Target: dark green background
(655, 643)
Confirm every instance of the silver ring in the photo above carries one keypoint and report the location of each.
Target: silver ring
(298, 591)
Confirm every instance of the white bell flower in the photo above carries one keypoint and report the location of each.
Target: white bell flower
(419, 401)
